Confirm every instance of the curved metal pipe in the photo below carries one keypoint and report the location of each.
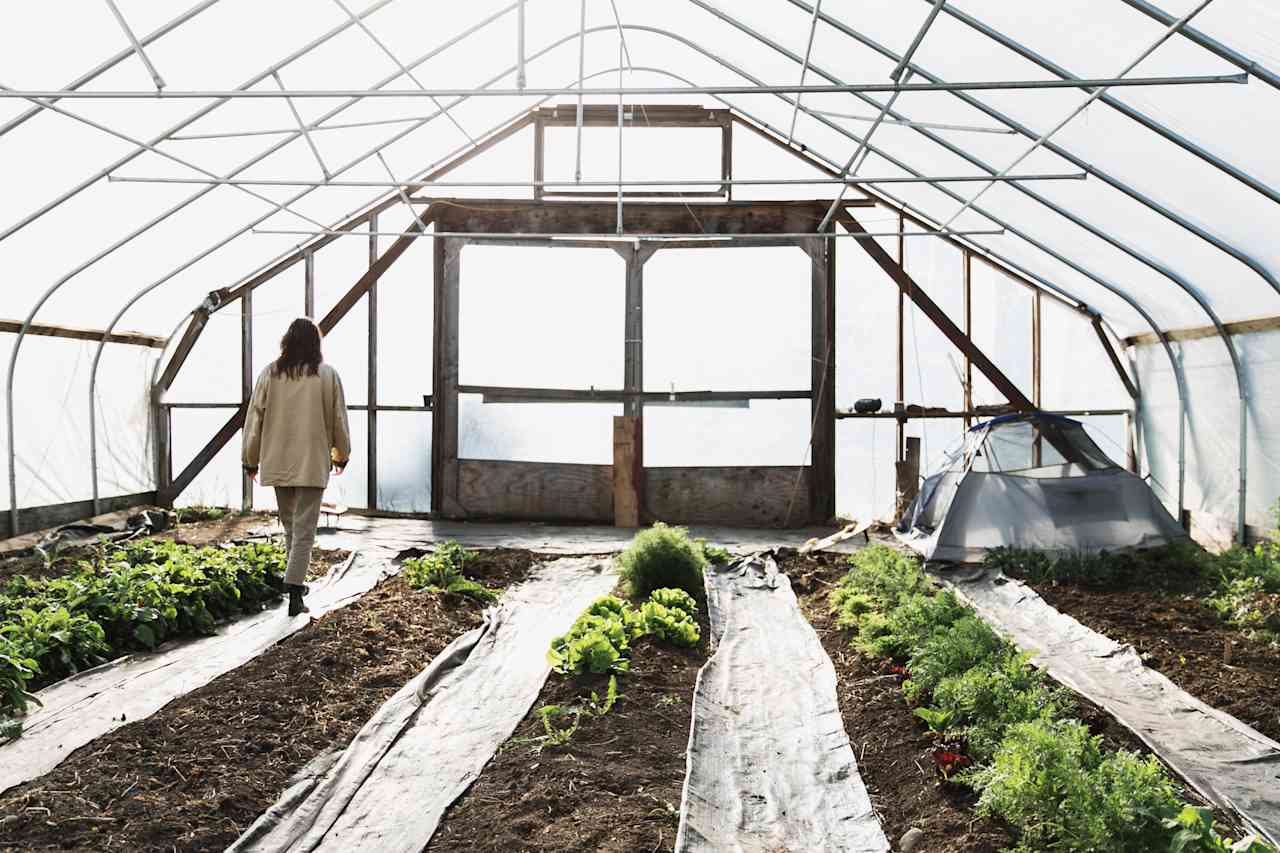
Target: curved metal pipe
(13, 356)
(982, 250)
(1124, 109)
(1163, 270)
(1133, 193)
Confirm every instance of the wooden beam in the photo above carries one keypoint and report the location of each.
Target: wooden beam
(634, 115)
(628, 470)
(599, 218)
(51, 331)
(822, 380)
(929, 414)
(939, 317)
(246, 383)
(616, 395)
(309, 284)
(195, 327)
(371, 422)
(1129, 387)
(345, 304)
(901, 427)
(36, 518)
(1240, 327)
(1037, 446)
(446, 485)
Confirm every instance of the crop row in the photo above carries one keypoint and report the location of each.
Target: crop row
(122, 599)
(1004, 731)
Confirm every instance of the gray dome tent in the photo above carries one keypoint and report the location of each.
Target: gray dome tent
(1032, 481)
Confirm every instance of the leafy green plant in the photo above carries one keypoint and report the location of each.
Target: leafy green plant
(987, 699)
(713, 553)
(441, 571)
(938, 720)
(662, 557)
(598, 641)
(593, 706)
(1053, 781)
(1194, 832)
(124, 598)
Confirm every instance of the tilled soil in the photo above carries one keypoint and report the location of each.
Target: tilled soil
(892, 747)
(614, 787)
(195, 775)
(1179, 636)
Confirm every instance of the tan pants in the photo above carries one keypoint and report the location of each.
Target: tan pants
(299, 514)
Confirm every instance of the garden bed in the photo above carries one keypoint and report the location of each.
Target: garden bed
(614, 785)
(1179, 635)
(196, 774)
(892, 746)
(896, 752)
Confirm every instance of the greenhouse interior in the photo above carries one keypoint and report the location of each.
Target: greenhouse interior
(600, 425)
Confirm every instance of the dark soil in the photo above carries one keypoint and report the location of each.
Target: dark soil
(195, 775)
(1179, 636)
(892, 747)
(614, 787)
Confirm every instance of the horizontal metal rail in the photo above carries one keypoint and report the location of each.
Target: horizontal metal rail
(616, 395)
(977, 413)
(609, 236)
(969, 86)
(657, 182)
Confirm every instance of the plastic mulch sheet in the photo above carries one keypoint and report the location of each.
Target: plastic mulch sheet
(1228, 762)
(550, 539)
(85, 706)
(428, 743)
(770, 765)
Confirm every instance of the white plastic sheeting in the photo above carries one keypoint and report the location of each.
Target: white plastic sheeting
(1232, 765)
(1158, 211)
(429, 742)
(770, 765)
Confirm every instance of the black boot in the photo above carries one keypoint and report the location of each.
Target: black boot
(296, 591)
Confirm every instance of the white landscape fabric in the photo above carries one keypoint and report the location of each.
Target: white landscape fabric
(1231, 764)
(769, 763)
(429, 742)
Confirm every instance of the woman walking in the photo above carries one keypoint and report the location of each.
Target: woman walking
(295, 431)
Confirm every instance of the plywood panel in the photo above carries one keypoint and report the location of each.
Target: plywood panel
(732, 496)
(535, 490)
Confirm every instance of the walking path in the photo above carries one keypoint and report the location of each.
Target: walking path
(770, 765)
(428, 743)
(1229, 763)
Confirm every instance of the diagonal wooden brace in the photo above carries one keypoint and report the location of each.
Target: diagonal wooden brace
(939, 317)
(340, 310)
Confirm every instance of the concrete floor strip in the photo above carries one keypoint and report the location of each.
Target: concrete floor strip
(429, 742)
(770, 765)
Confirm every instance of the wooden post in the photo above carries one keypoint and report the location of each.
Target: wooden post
(309, 285)
(908, 476)
(1036, 447)
(163, 431)
(822, 479)
(628, 470)
(539, 156)
(968, 333)
(633, 329)
(246, 382)
(444, 400)
(726, 156)
(1130, 445)
(371, 501)
(899, 447)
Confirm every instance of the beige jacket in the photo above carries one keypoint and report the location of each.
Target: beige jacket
(293, 424)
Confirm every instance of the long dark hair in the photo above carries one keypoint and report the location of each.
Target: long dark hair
(299, 350)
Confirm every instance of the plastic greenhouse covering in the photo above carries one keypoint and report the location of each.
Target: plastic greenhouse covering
(1174, 227)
